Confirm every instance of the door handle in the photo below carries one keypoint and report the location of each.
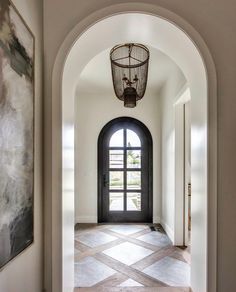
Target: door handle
(105, 181)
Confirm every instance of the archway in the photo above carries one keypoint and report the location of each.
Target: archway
(197, 65)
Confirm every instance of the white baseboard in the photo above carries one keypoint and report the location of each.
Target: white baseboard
(156, 219)
(168, 231)
(86, 219)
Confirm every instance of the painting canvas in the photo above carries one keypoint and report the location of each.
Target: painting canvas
(16, 133)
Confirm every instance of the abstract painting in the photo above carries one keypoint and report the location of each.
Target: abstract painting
(16, 133)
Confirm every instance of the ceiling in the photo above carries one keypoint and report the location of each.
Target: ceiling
(96, 76)
(87, 65)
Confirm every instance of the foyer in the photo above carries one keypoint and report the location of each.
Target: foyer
(101, 138)
(208, 29)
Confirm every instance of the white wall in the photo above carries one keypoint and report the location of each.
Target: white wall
(93, 112)
(24, 273)
(169, 94)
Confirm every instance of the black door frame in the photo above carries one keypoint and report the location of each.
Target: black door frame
(112, 125)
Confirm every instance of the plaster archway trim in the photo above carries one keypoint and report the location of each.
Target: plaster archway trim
(57, 102)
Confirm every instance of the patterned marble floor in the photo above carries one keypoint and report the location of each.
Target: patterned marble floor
(128, 258)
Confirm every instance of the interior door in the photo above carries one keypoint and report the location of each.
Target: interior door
(125, 172)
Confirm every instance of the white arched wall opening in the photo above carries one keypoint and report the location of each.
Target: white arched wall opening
(177, 39)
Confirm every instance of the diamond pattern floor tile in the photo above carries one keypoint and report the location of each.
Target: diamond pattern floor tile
(170, 271)
(94, 239)
(90, 271)
(125, 229)
(156, 238)
(130, 283)
(128, 253)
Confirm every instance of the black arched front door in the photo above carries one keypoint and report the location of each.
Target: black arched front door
(125, 172)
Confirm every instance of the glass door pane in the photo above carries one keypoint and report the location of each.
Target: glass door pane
(133, 201)
(133, 180)
(132, 139)
(116, 201)
(117, 139)
(116, 180)
(133, 158)
(116, 158)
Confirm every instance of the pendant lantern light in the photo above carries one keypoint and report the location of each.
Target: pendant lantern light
(129, 66)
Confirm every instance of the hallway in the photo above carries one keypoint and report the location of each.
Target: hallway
(128, 257)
